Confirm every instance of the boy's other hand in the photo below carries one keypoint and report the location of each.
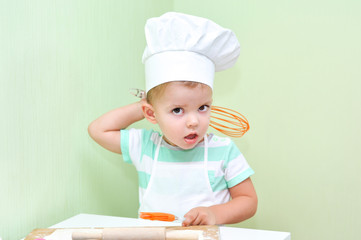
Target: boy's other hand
(199, 216)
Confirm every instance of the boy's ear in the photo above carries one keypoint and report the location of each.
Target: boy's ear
(148, 112)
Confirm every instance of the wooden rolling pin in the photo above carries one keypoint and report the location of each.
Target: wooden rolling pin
(153, 233)
(121, 234)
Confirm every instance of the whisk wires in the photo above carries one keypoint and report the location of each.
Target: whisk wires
(228, 121)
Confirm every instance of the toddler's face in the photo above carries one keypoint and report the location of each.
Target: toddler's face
(183, 113)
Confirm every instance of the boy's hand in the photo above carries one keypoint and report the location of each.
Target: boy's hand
(199, 216)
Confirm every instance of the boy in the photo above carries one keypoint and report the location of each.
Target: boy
(185, 171)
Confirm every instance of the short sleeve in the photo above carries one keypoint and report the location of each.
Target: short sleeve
(131, 145)
(237, 169)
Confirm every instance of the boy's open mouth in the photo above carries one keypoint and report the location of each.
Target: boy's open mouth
(191, 138)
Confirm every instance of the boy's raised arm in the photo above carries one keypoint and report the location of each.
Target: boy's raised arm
(105, 130)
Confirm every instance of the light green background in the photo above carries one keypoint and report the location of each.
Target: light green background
(65, 62)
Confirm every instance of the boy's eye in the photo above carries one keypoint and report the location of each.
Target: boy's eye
(177, 111)
(203, 108)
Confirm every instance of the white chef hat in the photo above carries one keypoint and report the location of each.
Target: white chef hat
(182, 47)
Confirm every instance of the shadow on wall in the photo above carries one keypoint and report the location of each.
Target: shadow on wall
(110, 185)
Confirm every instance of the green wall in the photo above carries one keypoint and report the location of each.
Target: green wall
(63, 63)
(298, 81)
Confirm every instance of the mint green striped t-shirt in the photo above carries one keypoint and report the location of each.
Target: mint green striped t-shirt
(227, 167)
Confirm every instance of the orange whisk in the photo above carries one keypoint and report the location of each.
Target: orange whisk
(228, 121)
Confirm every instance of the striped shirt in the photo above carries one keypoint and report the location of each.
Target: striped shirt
(227, 167)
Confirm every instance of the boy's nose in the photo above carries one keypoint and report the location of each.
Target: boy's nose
(192, 121)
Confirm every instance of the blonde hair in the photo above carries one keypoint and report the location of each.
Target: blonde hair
(157, 91)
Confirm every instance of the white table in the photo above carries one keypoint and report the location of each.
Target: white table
(227, 233)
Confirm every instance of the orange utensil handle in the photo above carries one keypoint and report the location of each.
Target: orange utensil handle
(167, 217)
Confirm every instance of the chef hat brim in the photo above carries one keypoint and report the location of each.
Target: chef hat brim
(179, 66)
